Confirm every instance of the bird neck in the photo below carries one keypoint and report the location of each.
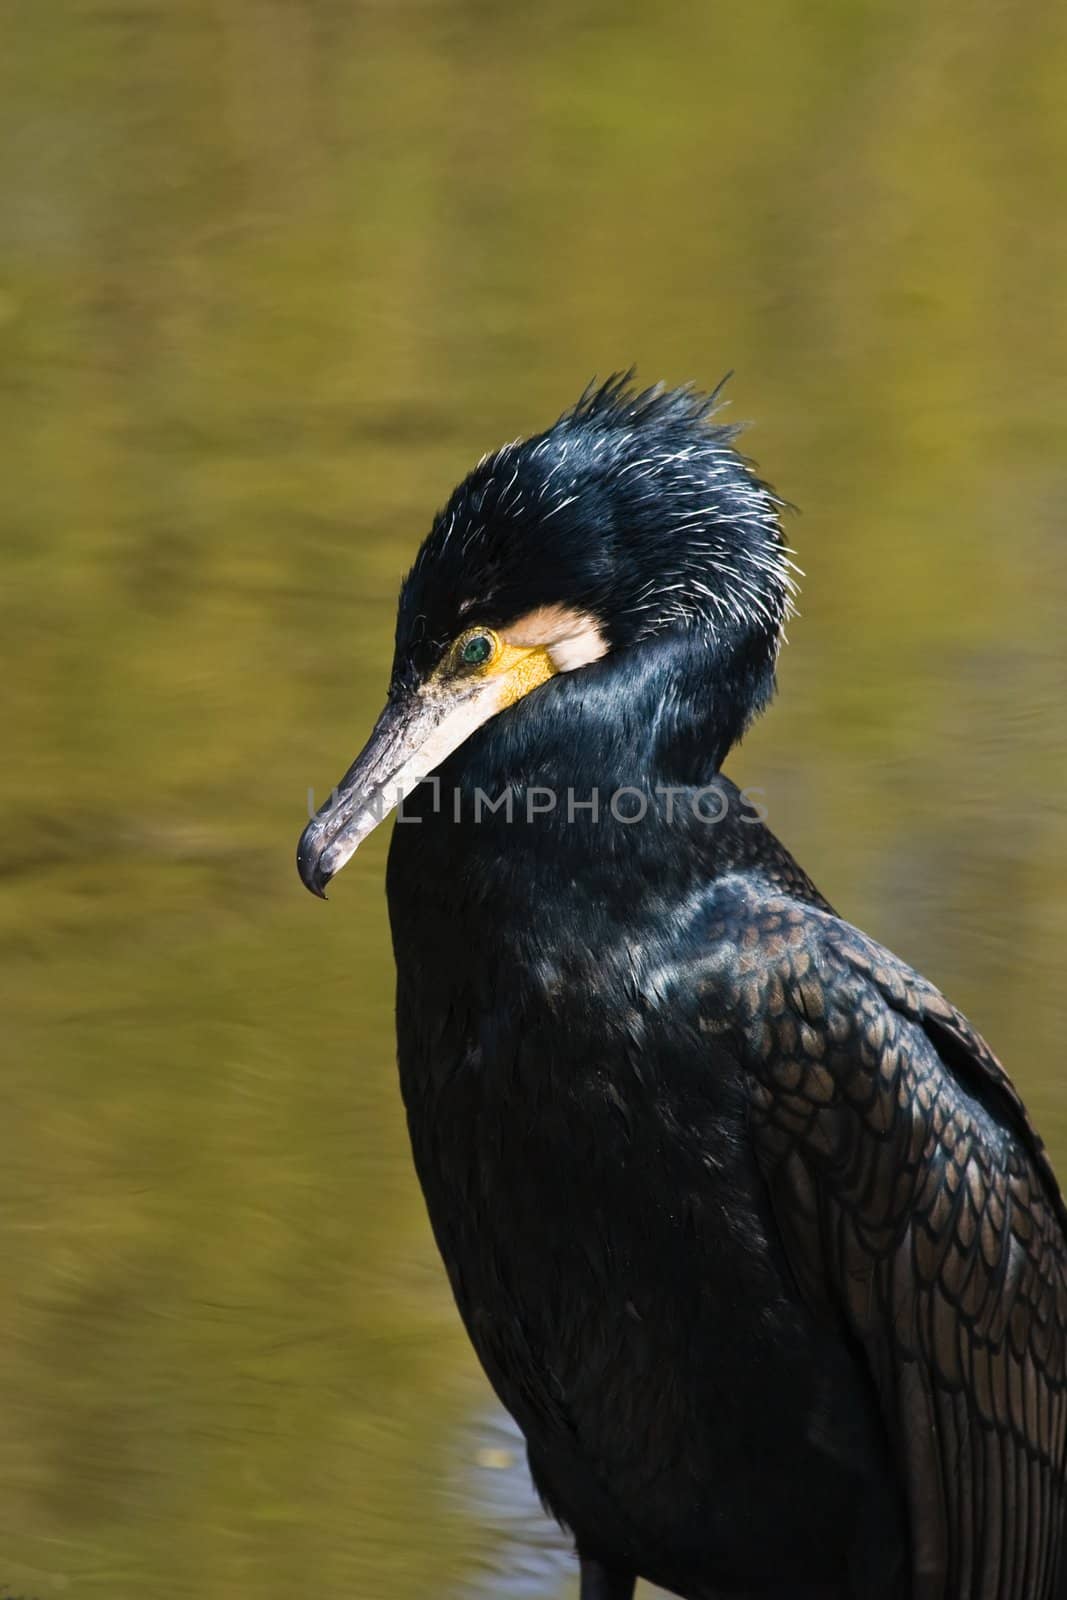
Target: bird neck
(568, 772)
(663, 713)
(602, 789)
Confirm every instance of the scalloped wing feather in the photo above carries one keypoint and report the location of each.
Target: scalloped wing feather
(917, 1204)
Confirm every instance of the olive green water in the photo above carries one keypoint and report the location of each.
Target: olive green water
(271, 276)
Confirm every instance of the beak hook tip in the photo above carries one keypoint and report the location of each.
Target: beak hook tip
(309, 870)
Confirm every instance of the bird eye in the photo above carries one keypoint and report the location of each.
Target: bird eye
(478, 649)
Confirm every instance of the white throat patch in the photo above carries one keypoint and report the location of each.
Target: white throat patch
(572, 638)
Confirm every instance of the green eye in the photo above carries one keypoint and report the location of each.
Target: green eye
(477, 650)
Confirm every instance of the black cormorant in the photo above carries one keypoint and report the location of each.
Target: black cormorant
(750, 1230)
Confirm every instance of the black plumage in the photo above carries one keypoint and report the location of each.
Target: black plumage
(748, 1227)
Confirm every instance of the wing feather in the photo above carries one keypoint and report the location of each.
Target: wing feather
(916, 1200)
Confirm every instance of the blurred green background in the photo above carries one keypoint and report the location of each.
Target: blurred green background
(273, 273)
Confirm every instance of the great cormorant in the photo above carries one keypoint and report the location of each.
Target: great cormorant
(749, 1228)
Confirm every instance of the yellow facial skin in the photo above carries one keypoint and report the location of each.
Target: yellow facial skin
(515, 669)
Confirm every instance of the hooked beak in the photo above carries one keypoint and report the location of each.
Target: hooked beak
(411, 738)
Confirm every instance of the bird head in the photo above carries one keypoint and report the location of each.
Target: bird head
(629, 545)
